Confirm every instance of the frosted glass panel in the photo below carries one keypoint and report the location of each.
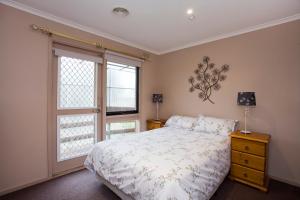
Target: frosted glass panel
(76, 135)
(76, 83)
(119, 129)
(121, 87)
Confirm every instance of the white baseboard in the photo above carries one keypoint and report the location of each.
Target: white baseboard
(23, 186)
(285, 181)
(13, 189)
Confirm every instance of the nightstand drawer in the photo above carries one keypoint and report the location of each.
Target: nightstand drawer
(248, 146)
(151, 126)
(248, 160)
(247, 174)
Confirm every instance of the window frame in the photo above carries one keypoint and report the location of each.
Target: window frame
(137, 86)
(60, 47)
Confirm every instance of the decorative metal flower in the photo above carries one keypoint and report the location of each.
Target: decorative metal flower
(207, 79)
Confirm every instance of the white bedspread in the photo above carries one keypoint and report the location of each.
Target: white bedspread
(165, 163)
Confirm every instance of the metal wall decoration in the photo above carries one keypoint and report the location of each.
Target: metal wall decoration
(207, 78)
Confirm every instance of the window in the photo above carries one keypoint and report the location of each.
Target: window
(122, 89)
(122, 95)
(76, 77)
(122, 128)
(76, 89)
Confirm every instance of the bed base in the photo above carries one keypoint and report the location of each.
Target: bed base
(124, 196)
(113, 188)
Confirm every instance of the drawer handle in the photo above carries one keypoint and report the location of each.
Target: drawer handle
(246, 161)
(245, 175)
(246, 148)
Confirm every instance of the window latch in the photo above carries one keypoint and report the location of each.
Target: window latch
(97, 110)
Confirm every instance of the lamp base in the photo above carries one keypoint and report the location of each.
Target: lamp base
(245, 131)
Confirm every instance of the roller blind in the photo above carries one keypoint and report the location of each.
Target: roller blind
(62, 52)
(120, 58)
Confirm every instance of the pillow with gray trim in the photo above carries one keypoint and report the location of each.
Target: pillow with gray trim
(215, 125)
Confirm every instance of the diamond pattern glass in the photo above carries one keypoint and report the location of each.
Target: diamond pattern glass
(76, 83)
(76, 135)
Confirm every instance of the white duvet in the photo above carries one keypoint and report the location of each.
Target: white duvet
(165, 163)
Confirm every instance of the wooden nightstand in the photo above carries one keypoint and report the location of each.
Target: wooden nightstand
(249, 159)
(153, 124)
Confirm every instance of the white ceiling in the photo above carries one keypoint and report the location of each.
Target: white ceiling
(161, 26)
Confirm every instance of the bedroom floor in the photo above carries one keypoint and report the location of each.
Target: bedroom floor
(82, 185)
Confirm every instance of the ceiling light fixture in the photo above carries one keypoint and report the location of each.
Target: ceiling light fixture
(190, 13)
(122, 12)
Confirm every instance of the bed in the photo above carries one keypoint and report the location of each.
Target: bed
(165, 163)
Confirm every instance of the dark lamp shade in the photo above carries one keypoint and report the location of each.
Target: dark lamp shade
(157, 98)
(246, 99)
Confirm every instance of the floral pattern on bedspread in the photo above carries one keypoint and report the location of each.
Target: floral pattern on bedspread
(165, 163)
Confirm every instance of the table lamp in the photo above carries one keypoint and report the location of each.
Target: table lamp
(246, 99)
(157, 98)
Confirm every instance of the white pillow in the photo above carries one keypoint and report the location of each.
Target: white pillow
(215, 125)
(183, 122)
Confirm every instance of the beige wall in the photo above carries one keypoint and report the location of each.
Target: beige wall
(23, 100)
(265, 61)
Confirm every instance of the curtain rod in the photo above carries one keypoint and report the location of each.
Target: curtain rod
(96, 44)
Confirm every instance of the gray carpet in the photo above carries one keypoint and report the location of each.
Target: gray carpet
(83, 185)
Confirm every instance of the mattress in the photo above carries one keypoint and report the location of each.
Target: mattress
(165, 163)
